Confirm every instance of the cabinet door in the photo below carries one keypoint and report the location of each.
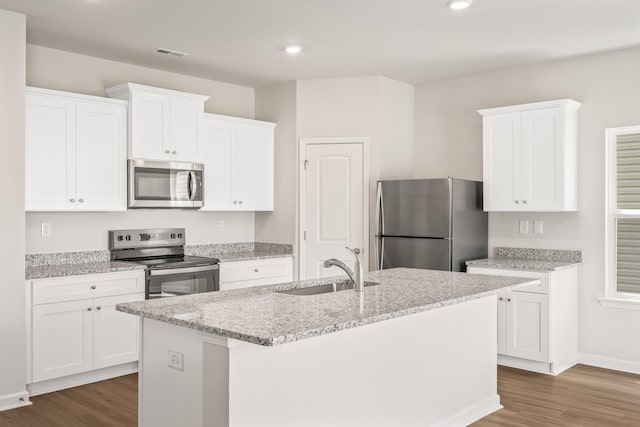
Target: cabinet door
(502, 323)
(542, 159)
(528, 325)
(502, 162)
(101, 157)
(150, 115)
(254, 168)
(62, 339)
(186, 122)
(116, 334)
(49, 153)
(218, 155)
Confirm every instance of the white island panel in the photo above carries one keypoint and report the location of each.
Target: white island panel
(437, 367)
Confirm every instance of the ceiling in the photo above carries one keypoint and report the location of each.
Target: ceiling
(242, 41)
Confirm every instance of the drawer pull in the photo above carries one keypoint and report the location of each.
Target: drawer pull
(256, 270)
(93, 286)
(508, 299)
(499, 298)
(89, 308)
(98, 308)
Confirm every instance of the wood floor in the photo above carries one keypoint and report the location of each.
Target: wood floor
(582, 396)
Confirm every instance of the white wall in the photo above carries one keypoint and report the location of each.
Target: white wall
(13, 367)
(376, 107)
(277, 103)
(449, 142)
(56, 69)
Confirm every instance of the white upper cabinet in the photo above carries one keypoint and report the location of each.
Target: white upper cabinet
(75, 152)
(530, 157)
(163, 124)
(238, 158)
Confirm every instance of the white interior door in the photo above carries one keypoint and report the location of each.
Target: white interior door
(334, 186)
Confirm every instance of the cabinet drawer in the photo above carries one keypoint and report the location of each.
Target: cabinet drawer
(47, 291)
(255, 269)
(542, 288)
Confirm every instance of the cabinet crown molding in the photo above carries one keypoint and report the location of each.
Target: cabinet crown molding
(211, 116)
(567, 103)
(30, 90)
(123, 91)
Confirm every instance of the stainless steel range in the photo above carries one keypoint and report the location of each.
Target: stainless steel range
(169, 272)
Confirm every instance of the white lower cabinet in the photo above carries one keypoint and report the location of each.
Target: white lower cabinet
(83, 333)
(537, 325)
(258, 272)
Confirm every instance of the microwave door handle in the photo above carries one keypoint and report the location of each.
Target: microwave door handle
(192, 186)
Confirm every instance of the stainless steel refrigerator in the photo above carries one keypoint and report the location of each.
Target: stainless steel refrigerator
(436, 224)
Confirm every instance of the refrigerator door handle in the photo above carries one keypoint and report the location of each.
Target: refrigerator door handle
(379, 225)
(381, 253)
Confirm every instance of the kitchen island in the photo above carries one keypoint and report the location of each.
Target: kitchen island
(416, 348)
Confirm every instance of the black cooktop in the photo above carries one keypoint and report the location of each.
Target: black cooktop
(183, 261)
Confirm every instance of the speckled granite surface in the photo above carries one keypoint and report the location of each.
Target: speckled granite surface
(62, 270)
(543, 260)
(229, 252)
(261, 316)
(37, 260)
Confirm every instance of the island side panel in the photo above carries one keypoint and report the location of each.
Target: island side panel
(432, 368)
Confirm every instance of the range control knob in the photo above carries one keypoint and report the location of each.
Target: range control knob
(128, 237)
(120, 238)
(179, 235)
(173, 235)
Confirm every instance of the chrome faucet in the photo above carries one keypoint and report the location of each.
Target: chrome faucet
(355, 276)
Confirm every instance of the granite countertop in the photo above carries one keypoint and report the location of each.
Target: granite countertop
(261, 316)
(240, 251)
(62, 270)
(541, 260)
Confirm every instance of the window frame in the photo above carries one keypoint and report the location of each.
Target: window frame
(612, 297)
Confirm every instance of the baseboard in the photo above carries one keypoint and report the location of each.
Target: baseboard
(609, 363)
(14, 400)
(472, 413)
(82, 378)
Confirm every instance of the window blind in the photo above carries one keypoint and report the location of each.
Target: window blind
(628, 171)
(628, 255)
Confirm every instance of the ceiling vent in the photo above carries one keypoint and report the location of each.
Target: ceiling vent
(170, 52)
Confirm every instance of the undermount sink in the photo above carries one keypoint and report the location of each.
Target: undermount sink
(323, 289)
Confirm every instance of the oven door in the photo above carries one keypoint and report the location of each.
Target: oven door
(181, 281)
(154, 184)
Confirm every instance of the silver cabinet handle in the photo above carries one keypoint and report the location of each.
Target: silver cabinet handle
(81, 200)
(98, 308)
(175, 152)
(93, 286)
(167, 151)
(72, 200)
(89, 308)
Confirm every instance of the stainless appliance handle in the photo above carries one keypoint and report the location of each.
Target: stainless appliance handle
(192, 185)
(379, 226)
(381, 253)
(170, 271)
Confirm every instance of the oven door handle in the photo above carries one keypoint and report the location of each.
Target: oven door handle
(170, 271)
(192, 185)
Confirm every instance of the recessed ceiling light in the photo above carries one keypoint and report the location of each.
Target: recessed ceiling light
(459, 4)
(293, 50)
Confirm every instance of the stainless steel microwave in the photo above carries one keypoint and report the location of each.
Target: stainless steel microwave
(158, 184)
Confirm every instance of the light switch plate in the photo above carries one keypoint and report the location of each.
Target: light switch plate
(220, 225)
(524, 227)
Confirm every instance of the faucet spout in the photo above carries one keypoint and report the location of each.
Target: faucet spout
(356, 275)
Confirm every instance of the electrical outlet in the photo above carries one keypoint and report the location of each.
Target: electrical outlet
(46, 229)
(175, 360)
(524, 227)
(538, 227)
(220, 225)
